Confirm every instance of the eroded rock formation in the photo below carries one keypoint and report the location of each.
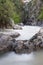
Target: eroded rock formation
(8, 43)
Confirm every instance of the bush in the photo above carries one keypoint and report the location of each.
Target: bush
(17, 18)
(41, 14)
(6, 12)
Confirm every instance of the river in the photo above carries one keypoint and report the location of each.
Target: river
(34, 58)
(26, 33)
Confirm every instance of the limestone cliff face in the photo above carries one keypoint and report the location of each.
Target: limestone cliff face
(35, 11)
(35, 7)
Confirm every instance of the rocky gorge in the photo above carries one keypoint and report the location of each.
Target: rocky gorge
(34, 13)
(9, 43)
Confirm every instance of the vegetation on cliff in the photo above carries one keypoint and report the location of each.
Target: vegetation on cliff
(41, 14)
(9, 10)
(17, 16)
(38, 8)
(19, 11)
(6, 12)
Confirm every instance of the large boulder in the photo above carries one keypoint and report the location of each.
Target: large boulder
(4, 45)
(7, 41)
(11, 23)
(15, 35)
(21, 24)
(17, 27)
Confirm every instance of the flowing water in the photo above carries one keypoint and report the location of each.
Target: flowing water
(26, 33)
(34, 58)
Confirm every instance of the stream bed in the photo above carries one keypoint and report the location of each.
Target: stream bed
(34, 58)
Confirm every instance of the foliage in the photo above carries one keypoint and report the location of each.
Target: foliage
(16, 17)
(18, 4)
(6, 11)
(10, 9)
(41, 14)
(18, 11)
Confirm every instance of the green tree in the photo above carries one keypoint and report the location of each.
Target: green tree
(6, 12)
(18, 15)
